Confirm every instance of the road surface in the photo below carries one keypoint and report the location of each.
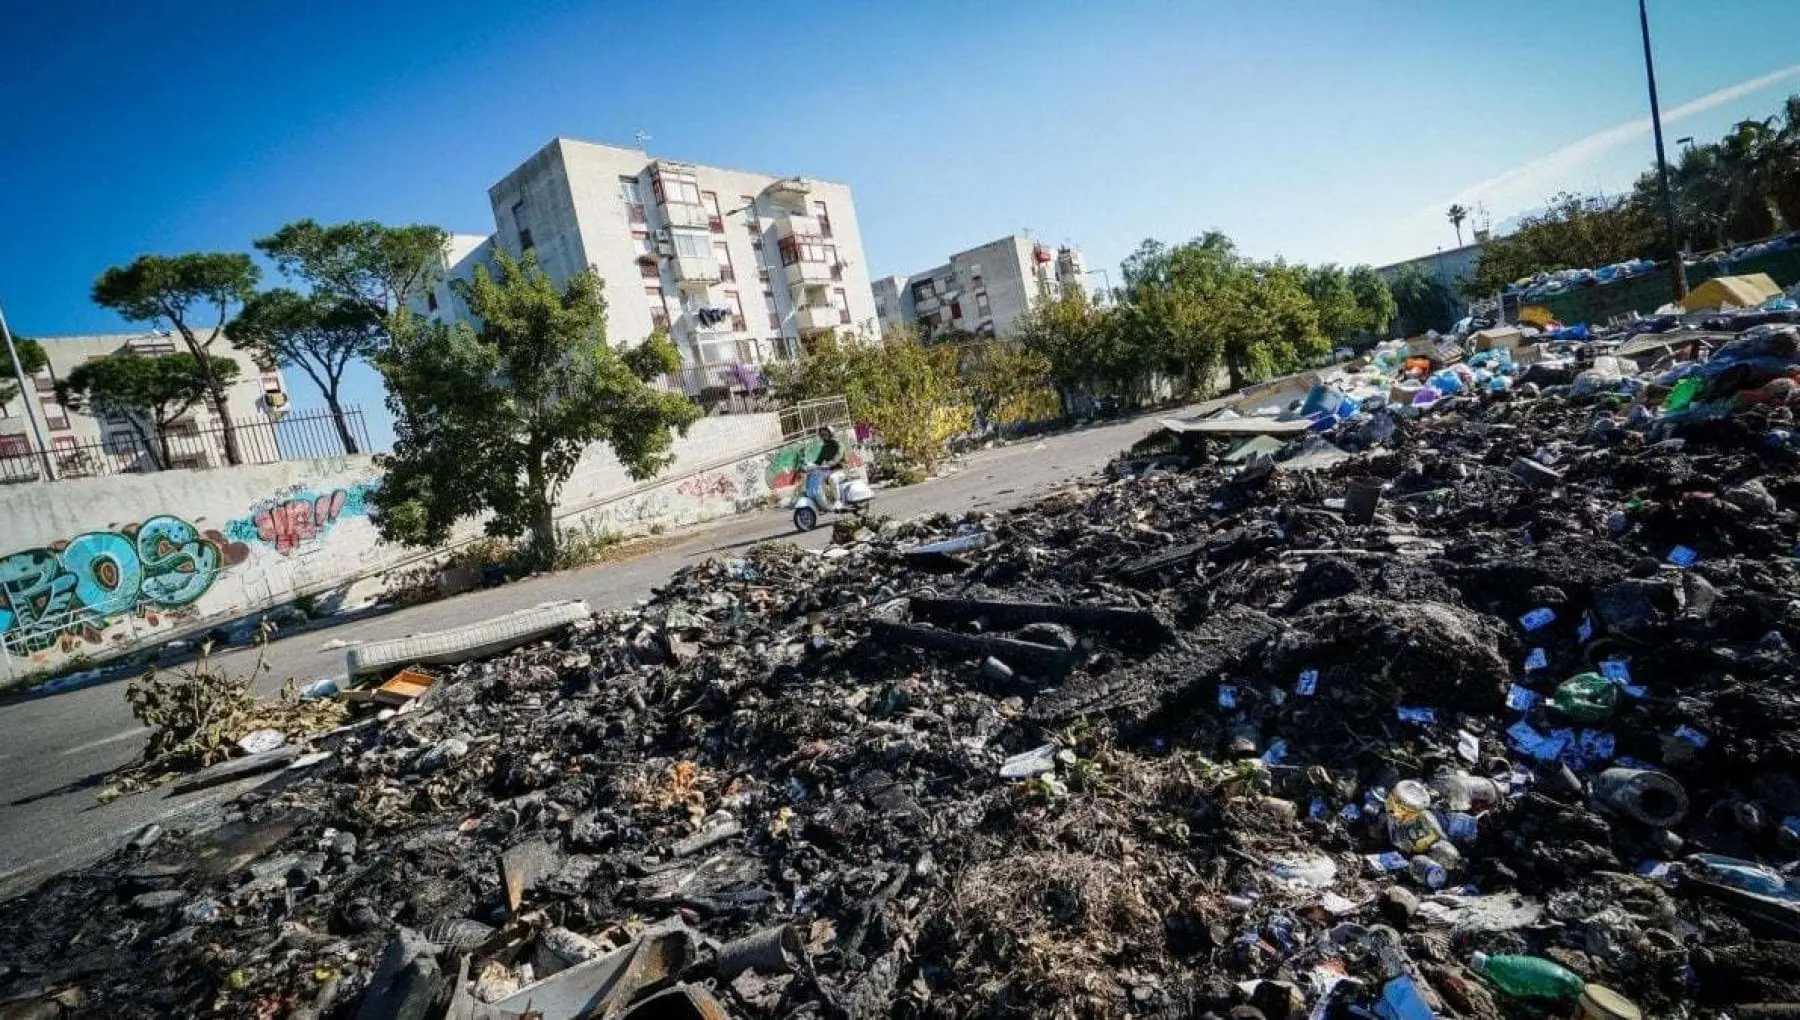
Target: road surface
(56, 749)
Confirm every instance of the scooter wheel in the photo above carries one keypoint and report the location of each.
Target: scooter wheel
(805, 518)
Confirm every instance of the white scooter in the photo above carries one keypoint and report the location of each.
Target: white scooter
(853, 497)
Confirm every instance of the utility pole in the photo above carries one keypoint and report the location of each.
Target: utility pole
(1662, 164)
(37, 428)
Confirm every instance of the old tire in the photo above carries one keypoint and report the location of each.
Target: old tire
(805, 518)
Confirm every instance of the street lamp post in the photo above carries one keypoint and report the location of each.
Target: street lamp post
(37, 428)
(1662, 165)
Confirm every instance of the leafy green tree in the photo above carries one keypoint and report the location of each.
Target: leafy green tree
(1077, 340)
(380, 267)
(176, 289)
(911, 395)
(318, 333)
(1268, 323)
(31, 361)
(1340, 318)
(1374, 299)
(495, 420)
(147, 393)
(1422, 303)
(1008, 384)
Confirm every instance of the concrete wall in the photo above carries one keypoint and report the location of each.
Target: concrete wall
(94, 567)
(747, 483)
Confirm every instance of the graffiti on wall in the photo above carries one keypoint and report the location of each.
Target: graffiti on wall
(787, 466)
(73, 590)
(297, 515)
(709, 485)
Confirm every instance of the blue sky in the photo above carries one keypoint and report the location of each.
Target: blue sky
(1318, 130)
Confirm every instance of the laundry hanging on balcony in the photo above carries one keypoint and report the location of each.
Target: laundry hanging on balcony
(711, 316)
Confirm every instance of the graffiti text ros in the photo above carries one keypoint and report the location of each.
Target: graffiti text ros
(298, 515)
(74, 589)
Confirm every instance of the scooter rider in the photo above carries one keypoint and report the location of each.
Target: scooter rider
(821, 489)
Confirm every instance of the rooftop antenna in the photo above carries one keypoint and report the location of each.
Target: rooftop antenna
(641, 136)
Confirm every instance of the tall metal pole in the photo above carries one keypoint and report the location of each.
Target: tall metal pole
(1662, 165)
(37, 429)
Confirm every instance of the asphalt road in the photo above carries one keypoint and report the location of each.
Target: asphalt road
(56, 749)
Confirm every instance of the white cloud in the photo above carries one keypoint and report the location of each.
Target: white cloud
(1529, 184)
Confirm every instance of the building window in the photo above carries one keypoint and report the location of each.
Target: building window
(675, 187)
(659, 309)
(431, 300)
(722, 252)
(831, 259)
(981, 304)
(769, 303)
(518, 214)
(801, 249)
(691, 245)
(841, 300)
(14, 446)
(714, 221)
(924, 290)
(823, 215)
(630, 192)
(955, 310)
(54, 415)
(646, 254)
(752, 221)
(736, 303)
(750, 351)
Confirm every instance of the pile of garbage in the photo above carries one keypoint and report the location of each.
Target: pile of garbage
(1491, 715)
(1555, 282)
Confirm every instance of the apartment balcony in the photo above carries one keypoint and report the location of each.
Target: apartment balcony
(685, 214)
(800, 274)
(817, 317)
(789, 224)
(927, 305)
(695, 273)
(792, 193)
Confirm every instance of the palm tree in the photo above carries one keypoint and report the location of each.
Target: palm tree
(1457, 215)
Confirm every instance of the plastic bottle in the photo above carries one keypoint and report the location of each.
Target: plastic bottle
(1530, 977)
(1462, 792)
(1408, 799)
(1427, 872)
(1587, 697)
(1683, 393)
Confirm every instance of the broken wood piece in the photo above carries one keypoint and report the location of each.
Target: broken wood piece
(1008, 650)
(238, 768)
(1016, 614)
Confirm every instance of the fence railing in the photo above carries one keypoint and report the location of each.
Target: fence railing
(295, 436)
(808, 415)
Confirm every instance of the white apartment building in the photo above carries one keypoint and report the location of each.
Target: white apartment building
(981, 290)
(82, 444)
(738, 267)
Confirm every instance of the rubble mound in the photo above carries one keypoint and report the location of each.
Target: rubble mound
(1400, 653)
(1182, 742)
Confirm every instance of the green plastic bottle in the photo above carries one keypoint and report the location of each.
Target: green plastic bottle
(1530, 977)
(1683, 393)
(1586, 697)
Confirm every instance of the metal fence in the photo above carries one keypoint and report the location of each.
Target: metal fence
(802, 418)
(296, 436)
